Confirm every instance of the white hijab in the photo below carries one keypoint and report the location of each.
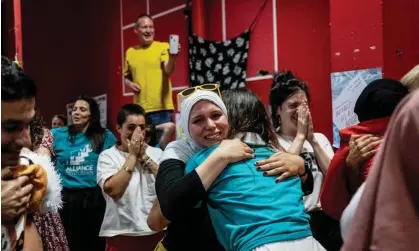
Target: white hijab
(184, 149)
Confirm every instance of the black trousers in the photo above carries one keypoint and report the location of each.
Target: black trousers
(325, 230)
(82, 217)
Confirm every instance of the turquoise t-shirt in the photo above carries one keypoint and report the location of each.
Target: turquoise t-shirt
(77, 162)
(248, 209)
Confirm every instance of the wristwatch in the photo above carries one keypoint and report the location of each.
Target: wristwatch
(126, 169)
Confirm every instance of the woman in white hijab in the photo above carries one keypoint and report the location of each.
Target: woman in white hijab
(178, 194)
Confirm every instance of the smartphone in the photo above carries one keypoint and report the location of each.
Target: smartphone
(174, 44)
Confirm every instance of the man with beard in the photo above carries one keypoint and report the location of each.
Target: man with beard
(17, 110)
(147, 68)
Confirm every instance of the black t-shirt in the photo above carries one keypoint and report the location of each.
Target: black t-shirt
(190, 228)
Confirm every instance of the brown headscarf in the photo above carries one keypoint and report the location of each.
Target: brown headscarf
(387, 217)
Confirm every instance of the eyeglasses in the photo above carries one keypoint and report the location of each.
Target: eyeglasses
(191, 90)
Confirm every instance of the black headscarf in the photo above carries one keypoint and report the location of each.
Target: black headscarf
(379, 99)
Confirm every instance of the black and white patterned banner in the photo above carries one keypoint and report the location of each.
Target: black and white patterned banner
(219, 62)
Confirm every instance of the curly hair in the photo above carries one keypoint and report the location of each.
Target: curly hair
(36, 130)
(283, 86)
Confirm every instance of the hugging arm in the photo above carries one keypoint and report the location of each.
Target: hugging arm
(177, 192)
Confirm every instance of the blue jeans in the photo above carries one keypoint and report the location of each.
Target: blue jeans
(160, 117)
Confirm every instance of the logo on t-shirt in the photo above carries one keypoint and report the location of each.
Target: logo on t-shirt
(311, 158)
(78, 164)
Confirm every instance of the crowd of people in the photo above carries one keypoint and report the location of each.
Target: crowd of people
(240, 178)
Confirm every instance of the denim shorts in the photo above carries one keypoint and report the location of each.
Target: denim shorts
(160, 117)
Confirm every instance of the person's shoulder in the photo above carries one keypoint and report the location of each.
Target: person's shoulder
(154, 152)
(161, 45)
(207, 151)
(180, 150)
(320, 137)
(198, 158)
(109, 134)
(202, 154)
(58, 131)
(130, 50)
(109, 151)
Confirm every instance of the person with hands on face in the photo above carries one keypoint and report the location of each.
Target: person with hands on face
(295, 165)
(147, 71)
(287, 164)
(291, 116)
(126, 174)
(299, 166)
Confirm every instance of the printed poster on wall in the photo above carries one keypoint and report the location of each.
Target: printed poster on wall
(101, 101)
(346, 88)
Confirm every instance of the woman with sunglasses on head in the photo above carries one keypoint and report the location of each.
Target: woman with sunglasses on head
(77, 148)
(126, 174)
(248, 210)
(190, 227)
(289, 98)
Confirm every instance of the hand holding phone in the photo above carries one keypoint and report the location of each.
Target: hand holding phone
(173, 44)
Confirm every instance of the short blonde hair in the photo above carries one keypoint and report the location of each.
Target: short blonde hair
(411, 79)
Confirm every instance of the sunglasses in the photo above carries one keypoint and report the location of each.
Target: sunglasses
(191, 90)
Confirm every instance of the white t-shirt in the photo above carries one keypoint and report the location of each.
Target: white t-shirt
(311, 201)
(349, 212)
(128, 215)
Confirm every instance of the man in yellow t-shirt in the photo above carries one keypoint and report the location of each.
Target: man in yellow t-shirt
(147, 68)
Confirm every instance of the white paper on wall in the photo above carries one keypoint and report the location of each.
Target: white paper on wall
(346, 88)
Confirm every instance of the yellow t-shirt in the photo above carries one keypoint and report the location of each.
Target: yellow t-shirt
(146, 68)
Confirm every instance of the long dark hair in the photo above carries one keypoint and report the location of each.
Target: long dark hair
(95, 132)
(246, 113)
(283, 86)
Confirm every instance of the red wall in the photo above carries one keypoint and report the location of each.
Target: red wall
(7, 29)
(70, 48)
(356, 43)
(401, 32)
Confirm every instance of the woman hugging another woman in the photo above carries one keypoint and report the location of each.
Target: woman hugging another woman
(247, 209)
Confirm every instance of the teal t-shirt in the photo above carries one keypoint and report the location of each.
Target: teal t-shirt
(76, 162)
(248, 209)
